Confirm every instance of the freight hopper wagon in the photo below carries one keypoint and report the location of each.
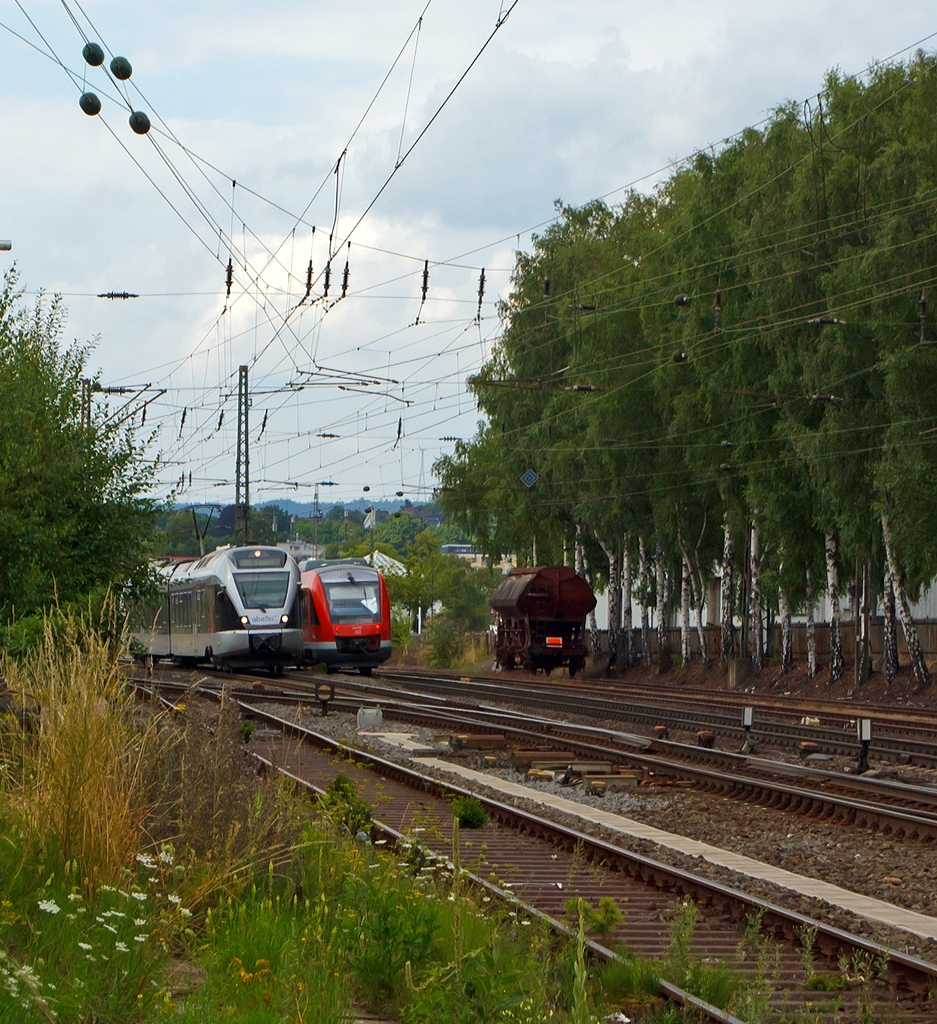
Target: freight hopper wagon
(542, 618)
(236, 608)
(345, 614)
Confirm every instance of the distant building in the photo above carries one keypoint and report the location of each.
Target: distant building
(478, 560)
(429, 515)
(299, 549)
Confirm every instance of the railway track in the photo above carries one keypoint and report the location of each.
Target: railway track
(905, 811)
(900, 736)
(538, 865)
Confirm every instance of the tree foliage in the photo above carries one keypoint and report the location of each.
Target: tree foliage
(746, 346)
(74, 515)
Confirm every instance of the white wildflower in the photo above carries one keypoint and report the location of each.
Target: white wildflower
(139, 921)
(49, 906)
(166, 856)
(146, 860)
(139, 895)
(85, 945)
(173, 898)
(73, 896)
(111, 928)
(139, 938)
(184, 912)
(121, 946)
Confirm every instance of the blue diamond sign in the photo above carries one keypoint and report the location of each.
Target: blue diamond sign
(529, 478)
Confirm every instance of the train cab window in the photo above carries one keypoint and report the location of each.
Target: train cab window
(262, 589)
(226, 616)
(353, 602)
(307, 608)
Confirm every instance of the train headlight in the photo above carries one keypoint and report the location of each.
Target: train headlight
(284, 619)
(244, 620)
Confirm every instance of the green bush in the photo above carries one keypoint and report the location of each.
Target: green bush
(345, 807)
(445, 642)
(601, 920)
(469, 811)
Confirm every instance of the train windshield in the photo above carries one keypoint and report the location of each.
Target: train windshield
(353, 603)
(262, 589)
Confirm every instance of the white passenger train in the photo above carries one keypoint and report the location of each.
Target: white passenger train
(235, 608)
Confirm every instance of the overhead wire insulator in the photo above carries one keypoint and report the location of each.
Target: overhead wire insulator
(308, 281)
(345, 272)
(118, 295)
(425, 287)
(89, 103)
(182, 424)
(93, 54)
(229, 278)
(481, 295)
(263, 425)
(328, 277)
(220, 421)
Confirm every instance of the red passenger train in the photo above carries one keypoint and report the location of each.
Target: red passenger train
(345, 615)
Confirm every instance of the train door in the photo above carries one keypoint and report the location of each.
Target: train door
(202, 618)
(182, 620)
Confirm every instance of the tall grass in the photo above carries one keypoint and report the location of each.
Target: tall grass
(80, 777)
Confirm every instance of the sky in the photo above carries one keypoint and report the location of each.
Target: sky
(566, 101)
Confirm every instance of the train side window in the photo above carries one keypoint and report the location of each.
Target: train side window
(312, 619)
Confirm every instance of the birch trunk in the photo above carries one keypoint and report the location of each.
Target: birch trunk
(787, 633)
(811, 628)
(663, 647)
(728, 591)
(626, 646)
(644, 585)
(595, 641)
(836, 635)
(757, 612)
(889, 631)
(582, 567)
(694, 579)
(911, 639)
(614, 601)
(685, 612)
